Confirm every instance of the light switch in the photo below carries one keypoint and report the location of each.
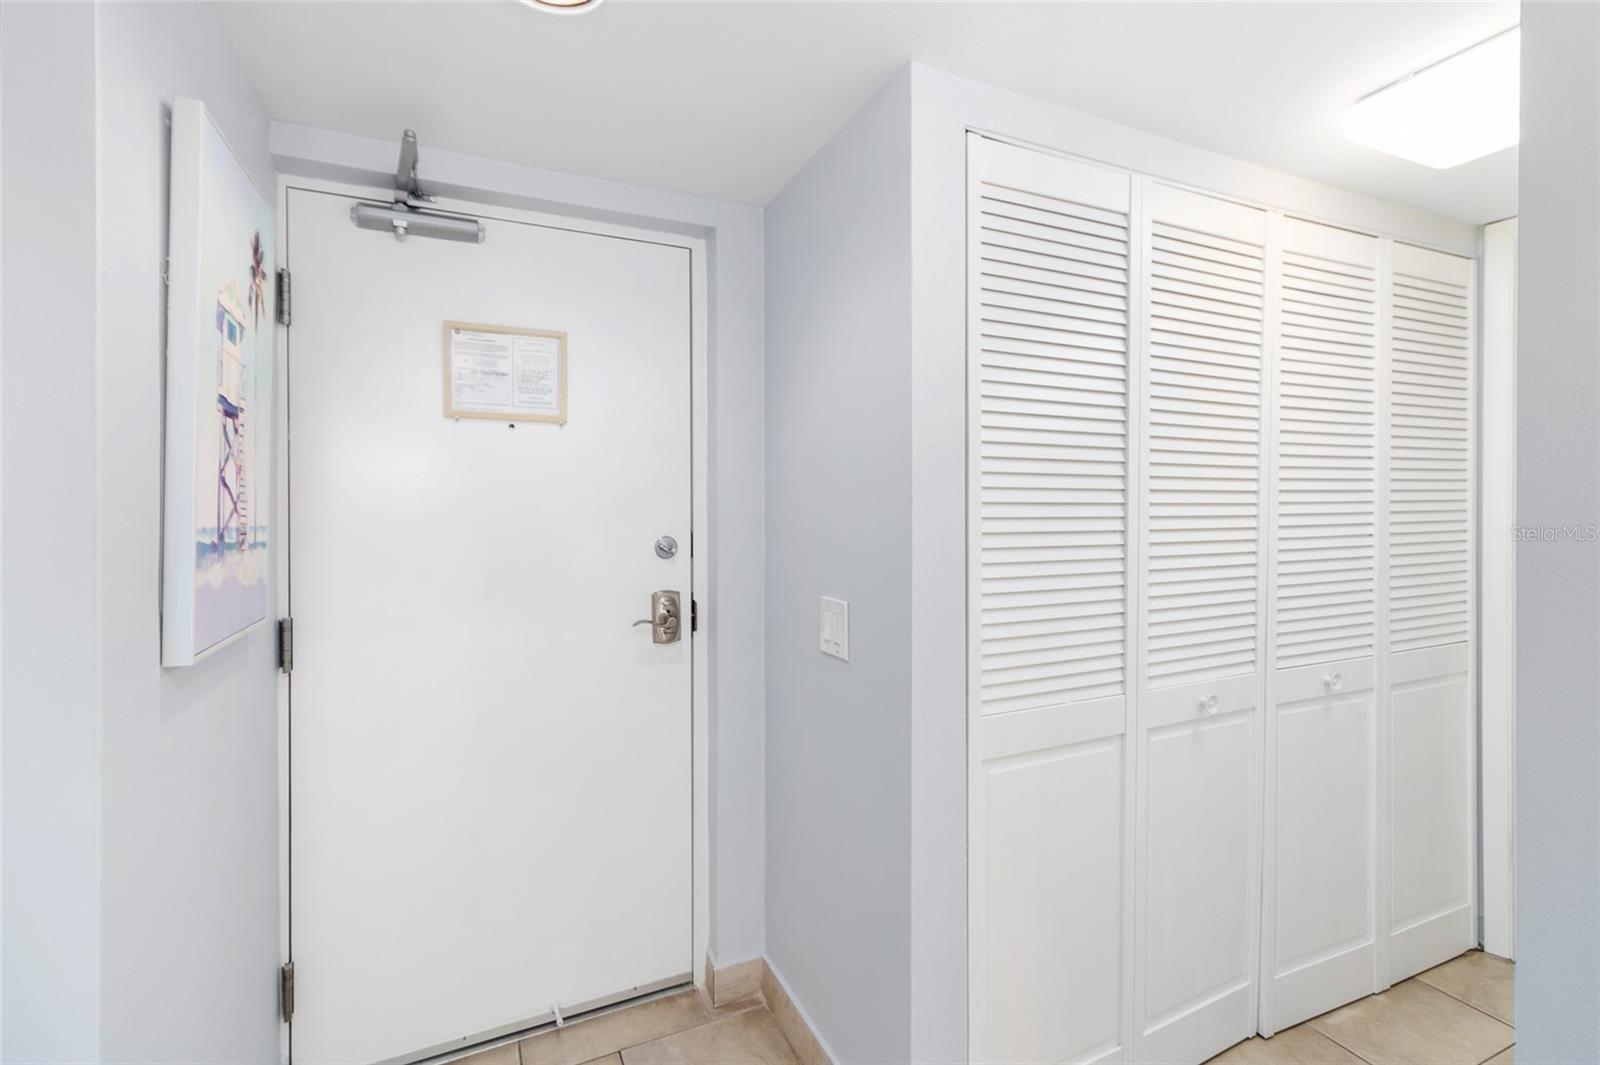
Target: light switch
(836, 628)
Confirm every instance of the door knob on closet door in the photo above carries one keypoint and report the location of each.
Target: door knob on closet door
(1334, 681)
(1208, 703)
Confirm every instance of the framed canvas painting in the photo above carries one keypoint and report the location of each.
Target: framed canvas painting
(219, 391)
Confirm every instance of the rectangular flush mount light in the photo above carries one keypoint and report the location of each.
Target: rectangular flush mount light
(1453, 112)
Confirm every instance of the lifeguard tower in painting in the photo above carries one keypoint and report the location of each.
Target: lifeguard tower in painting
(232, 500)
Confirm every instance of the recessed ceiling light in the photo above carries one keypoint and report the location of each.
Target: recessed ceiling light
(561, 7)
(1453, 112)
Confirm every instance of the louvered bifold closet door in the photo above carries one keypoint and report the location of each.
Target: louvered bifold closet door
(1432, 732)
(1201, 587)
(1048, 313)
(1320, 897)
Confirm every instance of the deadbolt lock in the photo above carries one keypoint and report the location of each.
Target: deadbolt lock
(666, 617)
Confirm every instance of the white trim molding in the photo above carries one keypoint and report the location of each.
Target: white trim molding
(1497, 669)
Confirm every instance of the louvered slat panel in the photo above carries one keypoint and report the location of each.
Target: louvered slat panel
(1203, 437)
(1430, 450)
(1049, 308)
(1326, 455)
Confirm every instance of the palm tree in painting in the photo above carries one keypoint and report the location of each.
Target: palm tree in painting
(258, 277)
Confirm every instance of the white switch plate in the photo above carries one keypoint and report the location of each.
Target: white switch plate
(836, 628)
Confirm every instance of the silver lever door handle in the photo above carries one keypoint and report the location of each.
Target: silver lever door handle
(664, 620)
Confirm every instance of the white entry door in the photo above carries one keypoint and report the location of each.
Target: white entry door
(491, 770)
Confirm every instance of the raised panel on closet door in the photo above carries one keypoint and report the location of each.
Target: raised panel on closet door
(1320, 895)
(1431, 715)
(1201, 587)
(1049, 606)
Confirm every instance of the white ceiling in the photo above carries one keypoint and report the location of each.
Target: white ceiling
(728, 100)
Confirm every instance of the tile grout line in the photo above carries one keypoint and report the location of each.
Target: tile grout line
(1464, 1002)
(1329, 1037)
(711, 1019)
(621, 1052)
(704, 1002)
(618, 1052)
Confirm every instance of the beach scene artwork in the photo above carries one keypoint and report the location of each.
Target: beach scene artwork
(219, 365)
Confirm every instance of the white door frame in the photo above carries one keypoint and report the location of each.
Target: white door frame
(1497, 304)
(700, 543)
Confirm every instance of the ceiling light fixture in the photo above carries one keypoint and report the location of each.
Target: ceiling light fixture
(561, 7)
(1457, 110)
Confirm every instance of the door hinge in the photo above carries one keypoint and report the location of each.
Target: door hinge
(286, 990)
(286, 644)
(694, 615)
(283, 296)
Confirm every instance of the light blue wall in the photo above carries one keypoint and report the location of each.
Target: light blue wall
(1558, 582)
(189, 757)
(838, 742)
(140, 840)
(49, 564)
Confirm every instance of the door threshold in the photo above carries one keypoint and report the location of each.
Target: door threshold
(546, 1022)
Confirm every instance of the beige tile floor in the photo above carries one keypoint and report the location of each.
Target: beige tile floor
(1456, 1014)
(677, 1029)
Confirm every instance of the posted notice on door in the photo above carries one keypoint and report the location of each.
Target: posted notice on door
(505, 373)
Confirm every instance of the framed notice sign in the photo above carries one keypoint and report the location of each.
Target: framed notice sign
(505, 374)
